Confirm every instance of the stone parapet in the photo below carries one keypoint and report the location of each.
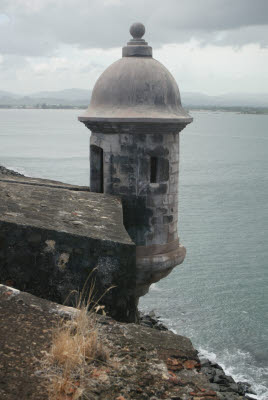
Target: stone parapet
(53, 238)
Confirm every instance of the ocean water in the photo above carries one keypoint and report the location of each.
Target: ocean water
(218, 297)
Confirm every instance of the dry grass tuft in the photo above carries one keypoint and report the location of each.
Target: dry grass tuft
(76, 350)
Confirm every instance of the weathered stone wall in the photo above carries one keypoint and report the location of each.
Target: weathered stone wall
(150, 209)
(51, 240)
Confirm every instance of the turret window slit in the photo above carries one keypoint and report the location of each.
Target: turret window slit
(154, 168)
(159, 169)
(96, 169)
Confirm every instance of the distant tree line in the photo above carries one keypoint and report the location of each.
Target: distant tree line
(44, 106)
(242, 110)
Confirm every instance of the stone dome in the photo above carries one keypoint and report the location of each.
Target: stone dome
(136, 88)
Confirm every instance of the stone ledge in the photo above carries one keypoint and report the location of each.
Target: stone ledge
(60, 209)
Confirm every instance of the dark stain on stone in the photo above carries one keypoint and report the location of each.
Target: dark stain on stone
(160, 189)
(158, 151)
(167, 219)
(136, 218)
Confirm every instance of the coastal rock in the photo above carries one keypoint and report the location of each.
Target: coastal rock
(224, 385)
(151, 321)
(8, 172)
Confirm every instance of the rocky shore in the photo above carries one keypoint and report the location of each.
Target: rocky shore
(8, 172)
(226, 387)
(224, 383)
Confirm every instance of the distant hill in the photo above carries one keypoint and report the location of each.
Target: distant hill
(66, 94)
(81, 97)
(3, 93)
(67, 97)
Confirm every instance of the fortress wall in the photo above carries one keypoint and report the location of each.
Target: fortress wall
(52, 239)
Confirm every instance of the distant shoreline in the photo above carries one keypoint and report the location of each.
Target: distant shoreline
(237, 109)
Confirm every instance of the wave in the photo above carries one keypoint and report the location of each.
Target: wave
(20, 170)
(241, 366)
(155, 288)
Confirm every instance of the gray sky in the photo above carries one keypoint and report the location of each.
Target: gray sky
(210, 46)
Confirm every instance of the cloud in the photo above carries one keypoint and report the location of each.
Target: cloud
(71, 67)
(211, 69)
(210, 46)
(40, 27)
(216, 69)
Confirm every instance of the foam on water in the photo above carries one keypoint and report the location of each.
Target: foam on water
(155, 288)
(20, 170)
(240, 365)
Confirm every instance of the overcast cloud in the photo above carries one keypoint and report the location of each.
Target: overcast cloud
(213, 46)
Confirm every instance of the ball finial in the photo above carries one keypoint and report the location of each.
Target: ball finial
(137, 30)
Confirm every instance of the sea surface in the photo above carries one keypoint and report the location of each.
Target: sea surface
(218, 297)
